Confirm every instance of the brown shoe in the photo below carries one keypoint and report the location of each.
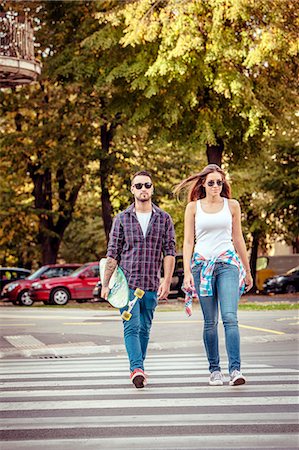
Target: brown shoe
(138, 378)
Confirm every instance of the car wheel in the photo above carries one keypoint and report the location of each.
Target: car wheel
(24, 299)
(291, 289)
(60, 296)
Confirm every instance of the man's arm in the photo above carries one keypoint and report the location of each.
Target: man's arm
(164, 288)
(113, 254)
(109, 269)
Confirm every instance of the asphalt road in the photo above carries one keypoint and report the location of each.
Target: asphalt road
(65, 383)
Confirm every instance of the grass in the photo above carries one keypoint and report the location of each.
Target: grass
(173, 305)
(268, 306)
(179, 306)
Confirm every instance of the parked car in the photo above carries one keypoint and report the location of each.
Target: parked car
(177, 278)
(269, 266)
(17, 292)
(9, 274)
(77, 286)
(285, 283)
(175, 286)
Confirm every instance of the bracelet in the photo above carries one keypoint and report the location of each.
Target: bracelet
(248, 271)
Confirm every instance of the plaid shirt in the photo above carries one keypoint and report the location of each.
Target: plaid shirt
(140, 257)
(206, 274)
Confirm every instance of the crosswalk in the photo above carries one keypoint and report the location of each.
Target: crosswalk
(89, 403)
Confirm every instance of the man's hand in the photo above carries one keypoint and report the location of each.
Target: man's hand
(163, 290)
(105, 292)
(111, 265)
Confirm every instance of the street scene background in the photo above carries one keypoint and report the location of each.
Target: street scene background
(90, 93)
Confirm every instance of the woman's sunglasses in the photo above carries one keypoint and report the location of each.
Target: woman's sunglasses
(212, 182)
(139, 185)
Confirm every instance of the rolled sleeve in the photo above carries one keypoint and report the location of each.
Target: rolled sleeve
(115, 239)
(168, 246)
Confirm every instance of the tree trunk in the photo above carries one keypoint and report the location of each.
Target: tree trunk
(296, 246)
(106, 167)
(51, 232)
(50, 247)
(214, 153)
(104, 174)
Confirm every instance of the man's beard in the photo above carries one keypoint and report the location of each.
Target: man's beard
(143, 200)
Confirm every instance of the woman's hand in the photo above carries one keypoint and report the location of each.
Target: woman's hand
(188, 281)
(248, 281)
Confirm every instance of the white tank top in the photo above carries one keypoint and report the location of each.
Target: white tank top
(213, 231)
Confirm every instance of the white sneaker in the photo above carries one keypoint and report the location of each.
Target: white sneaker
(216, 378)
(236, 378)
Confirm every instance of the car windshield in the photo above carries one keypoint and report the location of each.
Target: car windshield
(79, 270)
(290, 272)
(37, 273)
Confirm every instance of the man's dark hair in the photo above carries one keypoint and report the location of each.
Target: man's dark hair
(144, 173)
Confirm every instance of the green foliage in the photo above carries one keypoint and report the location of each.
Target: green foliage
(205, 70)
(84, 239)
(166, 79)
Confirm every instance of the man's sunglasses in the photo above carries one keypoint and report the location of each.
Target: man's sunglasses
(140, 185)
(212, 182)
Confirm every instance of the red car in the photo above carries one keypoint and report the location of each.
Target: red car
(77, 286)
(17, 291)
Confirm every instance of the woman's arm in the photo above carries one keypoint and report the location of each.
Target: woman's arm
(239, 242)
(189, 237)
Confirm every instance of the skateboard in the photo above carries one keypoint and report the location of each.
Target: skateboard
(118, 296)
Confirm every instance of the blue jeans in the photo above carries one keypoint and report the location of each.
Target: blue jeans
(225, 284)
(137, 329)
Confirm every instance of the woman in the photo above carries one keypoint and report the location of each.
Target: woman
(214, 243)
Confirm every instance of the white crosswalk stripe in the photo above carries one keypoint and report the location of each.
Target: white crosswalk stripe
(89, 403)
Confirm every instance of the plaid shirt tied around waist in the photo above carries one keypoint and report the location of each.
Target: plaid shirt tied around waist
(206, 275)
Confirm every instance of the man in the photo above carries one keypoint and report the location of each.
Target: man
(138, 238)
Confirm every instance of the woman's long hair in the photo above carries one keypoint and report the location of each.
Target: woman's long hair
(194, 184)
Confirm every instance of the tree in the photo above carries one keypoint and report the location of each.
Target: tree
(204, 72)
(48, 127)
(281, 180)
(45, 137)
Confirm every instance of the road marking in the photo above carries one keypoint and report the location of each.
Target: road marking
(79, 406)
(149, 403)
(162, 322)
(105, 372)
(178, 321)
(285, 318)
(24, 341)
(201, 321)
(82, 323)
(124, 382)
(17, 325)
(160, 442)
(261, 329)
(150, 390)
(55, 317)
(119, 365)
(144, 420)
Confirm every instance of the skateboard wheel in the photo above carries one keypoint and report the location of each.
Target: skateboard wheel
(126, 315)
(139, 293)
